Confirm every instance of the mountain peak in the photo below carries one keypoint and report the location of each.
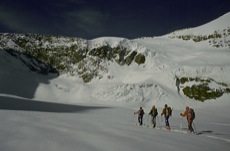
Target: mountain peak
(218, 24)
(216, 32)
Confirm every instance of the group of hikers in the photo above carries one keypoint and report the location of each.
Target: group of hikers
(167, 112)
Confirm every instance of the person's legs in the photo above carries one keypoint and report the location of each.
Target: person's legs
(140, 120)
(154, 121)
(167, 122)
(190, 126)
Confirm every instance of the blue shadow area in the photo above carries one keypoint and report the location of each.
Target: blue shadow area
(7, 103)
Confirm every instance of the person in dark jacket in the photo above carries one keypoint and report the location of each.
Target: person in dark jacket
(167, 113)
(153, 112)
(140, 114)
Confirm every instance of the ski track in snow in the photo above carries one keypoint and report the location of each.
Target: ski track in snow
(178, 130)
(183, 131)
(218, 138)
(221, 124)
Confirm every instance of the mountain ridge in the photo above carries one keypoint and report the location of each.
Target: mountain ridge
(216, 32)
(148, 65)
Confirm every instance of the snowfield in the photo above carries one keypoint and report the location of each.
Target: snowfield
(36, 125)
(61, 113)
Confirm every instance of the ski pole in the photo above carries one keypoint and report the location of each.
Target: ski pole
(161, 122)
(194, 126)
(134, 117)
(158, 121)
(147, 121)
(181, 126)
(143, 120)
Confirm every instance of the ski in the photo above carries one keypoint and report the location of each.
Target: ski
(177, 130)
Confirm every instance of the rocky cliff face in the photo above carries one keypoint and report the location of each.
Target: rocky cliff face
(53, 54)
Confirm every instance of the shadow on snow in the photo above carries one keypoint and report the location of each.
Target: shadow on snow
(7, 103)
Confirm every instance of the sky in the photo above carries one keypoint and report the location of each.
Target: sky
(101, 18)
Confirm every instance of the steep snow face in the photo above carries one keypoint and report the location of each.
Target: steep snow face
(16, 79)
(177, 52)
(215, 33)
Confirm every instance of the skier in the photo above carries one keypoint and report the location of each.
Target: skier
(153, 112)
(189, 113)
(140, 114)
(167, 111)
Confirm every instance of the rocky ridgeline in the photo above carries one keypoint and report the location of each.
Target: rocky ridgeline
(219, 38)
(56, 54)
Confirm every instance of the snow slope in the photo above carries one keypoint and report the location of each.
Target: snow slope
(36, 125)
(63, 113)
(218, 24)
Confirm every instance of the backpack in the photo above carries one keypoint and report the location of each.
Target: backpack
(142, 112)
(168, 111)
(156, 113)
(153, 113)
(191, 114)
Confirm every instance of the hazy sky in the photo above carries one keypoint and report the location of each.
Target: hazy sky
(96, 18)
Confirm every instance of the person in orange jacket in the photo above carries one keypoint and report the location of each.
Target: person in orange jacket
(189, 119)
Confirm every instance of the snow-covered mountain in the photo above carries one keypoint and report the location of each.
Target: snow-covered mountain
(143, 71)
(215, 33)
